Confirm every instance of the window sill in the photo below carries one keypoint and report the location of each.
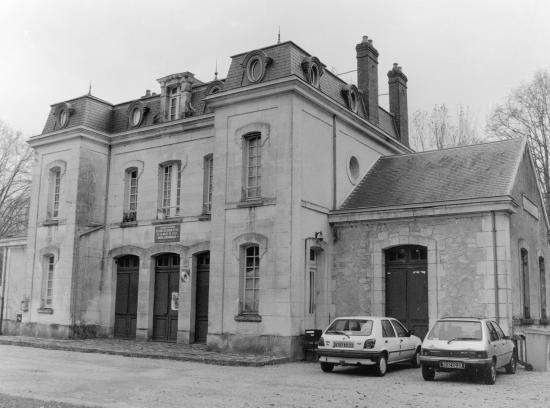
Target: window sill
(248, 318)
(128, 224)
(49, 222)
(544, 322)
(45, 310)
(205, 217)
(257, 202)
(525, 322)
(172, 220)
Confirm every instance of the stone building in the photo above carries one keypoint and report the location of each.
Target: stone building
(241, 211)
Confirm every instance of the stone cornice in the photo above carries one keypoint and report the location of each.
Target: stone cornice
(443, 208)
(293, 84)
(82, 132)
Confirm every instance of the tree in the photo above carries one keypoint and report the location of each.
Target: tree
(526, 113)
(15, 163)
(439, 129)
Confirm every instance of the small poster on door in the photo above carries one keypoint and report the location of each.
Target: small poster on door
(175, 301)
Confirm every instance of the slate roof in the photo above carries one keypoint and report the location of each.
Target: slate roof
(468, 172)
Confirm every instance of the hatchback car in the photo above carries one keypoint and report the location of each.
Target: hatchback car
(475, 346)
(367, 340)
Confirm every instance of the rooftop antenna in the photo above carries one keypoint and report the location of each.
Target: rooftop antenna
(216, 73)
(279, 36)
(90, 89)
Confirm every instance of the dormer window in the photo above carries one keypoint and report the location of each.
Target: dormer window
(351, 97)
(62, 114)
(136, 113)
(313, 70)
(255, 65)
(136, 116)
(173, 104)
(63, 118)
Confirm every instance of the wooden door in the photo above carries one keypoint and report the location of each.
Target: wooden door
(166, 305)
(201, 298)
(407, 287)
(126, 296)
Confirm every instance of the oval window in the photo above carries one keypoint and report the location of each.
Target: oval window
(353, 102)
(314, 76)
(136, 116)
(354, 169)
(63, 118)
(254, 70)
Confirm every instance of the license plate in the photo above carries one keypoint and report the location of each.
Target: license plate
(452, 364)
(343, 344)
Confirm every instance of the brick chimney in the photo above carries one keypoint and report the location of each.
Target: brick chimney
(397, 82)
(367, 76)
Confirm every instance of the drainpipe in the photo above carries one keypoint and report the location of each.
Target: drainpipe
(333, 162)
(106, 206)
(495, 266)
(3, 277)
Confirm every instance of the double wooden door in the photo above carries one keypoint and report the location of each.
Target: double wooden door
(166, 304)
(127, 278)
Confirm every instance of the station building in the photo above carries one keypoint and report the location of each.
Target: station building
(240, 212)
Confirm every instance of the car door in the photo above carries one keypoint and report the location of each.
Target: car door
(495, 347)
(390, 340)
(506, 347)
(406, 348)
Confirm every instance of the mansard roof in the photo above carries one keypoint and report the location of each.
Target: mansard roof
(468, 172)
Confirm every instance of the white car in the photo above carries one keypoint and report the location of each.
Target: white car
(367, 340)
(474, 346)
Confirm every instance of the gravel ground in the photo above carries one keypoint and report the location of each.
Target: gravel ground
(127, 382)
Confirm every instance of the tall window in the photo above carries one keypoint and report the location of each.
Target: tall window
(542, 272)
(2, 250)
(253, 159)
(170, 194)
(208, 180)
(525, 283)
(173, 101)
(55, 187)
(49, 281)
(312, 273)
(130, 195)
(250, 280)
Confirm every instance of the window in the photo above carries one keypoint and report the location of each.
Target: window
(173, 104)
(312, 274)
(208, 181)
(542, 272)
(493, 335)
(55, 187)
(48, 294)
(387, 329)
(401, 331)
(130, 195)
(250, 280)
(253, 162)
(525, 283)
(169, 189)
(498, 330)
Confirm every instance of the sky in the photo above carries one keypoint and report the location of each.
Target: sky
(461, 52)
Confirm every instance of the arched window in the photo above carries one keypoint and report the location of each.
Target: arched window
(169, 189)
(249, 298)
(253, 165)
(130, 195)
(47, 280)
(525, 283)
(54, 183)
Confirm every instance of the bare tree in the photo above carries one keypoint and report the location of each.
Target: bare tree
(15, 162)
(526, 113)
(439, 129)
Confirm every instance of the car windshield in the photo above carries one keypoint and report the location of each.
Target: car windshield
(455, 330)
(353, 327)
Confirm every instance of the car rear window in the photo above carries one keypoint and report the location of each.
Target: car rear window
(455, 330)
(353, 327)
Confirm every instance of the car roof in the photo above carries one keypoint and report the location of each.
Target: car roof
(364, 317)
(467, 319)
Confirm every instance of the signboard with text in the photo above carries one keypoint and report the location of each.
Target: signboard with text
(167, 233)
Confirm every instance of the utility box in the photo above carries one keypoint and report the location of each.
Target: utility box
(311, 340)
(537, 346)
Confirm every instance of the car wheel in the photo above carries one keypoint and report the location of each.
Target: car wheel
(428, 373)
(382, 366)
(327, 367)
(491, 374)
(415, 362)
(511, 366)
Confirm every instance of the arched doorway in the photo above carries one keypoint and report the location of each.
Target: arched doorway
(407, 286)
(201, 297)
(127, 278)
(166, 305)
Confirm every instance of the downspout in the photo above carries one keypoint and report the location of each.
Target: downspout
(495, 266)
(3, 277)
(37, 210)
(105, 209)
(333, 162)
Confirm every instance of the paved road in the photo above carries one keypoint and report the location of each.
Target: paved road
(126, 382)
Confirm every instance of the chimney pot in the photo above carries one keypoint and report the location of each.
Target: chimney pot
(365, 38)
(148, 92)
(370, 42)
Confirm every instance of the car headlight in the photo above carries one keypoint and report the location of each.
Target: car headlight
(322, 342)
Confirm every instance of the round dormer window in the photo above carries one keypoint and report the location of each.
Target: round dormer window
(353, 101)
(136, 116)
(314, 76)
(63, 118)
(254, 70)
(354, 170)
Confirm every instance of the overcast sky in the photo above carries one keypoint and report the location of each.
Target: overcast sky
(462, 52)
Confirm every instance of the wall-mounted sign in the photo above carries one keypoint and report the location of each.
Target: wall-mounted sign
(167, 233)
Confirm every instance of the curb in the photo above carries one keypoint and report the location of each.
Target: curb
(156, 356)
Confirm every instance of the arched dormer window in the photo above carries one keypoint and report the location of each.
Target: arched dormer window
(313, 70)
(255, 64)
